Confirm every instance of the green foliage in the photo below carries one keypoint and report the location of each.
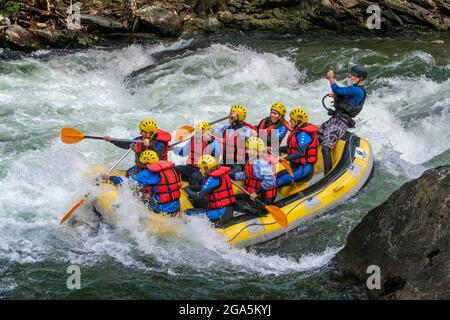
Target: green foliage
(12, 7)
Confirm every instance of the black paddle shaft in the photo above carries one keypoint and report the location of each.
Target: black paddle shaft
(112, 139)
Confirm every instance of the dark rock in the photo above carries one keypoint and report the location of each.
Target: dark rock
(102, 22)
(245, 25)
(207, 7)
(444, 7)
(160, 20)
(349, 4)
(407, 19)
(392, 16)
(211, 24)
(4, 23)
(226, 16)
(235, 3)
(429, 4)
(19, 38)
(277, 13)
(240, 17)
(64, 38)
(262, 16)
(303, 25)
(278, 3)
(408, 237)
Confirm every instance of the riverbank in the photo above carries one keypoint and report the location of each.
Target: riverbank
(43, 24)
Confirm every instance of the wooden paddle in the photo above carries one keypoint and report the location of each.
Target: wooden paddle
(276, 212)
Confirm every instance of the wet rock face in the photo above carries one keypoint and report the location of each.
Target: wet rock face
(46, 20)
(19, 38)
(408, 238)
(160, 20)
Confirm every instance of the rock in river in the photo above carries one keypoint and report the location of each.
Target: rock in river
(408, 238)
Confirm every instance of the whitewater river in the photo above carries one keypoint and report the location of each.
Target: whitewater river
(406, 119)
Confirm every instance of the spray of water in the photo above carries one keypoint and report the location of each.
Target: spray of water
(42, 178)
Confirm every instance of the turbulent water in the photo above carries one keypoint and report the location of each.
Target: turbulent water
(406, 119)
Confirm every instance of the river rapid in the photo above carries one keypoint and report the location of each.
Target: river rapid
(104, 90)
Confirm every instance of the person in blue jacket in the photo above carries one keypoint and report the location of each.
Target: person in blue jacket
(348, 103)
(154, 139)
(275, 123)
(160, 181)
(203, 142)
(258, 176)
(302, 145)
(217, 191)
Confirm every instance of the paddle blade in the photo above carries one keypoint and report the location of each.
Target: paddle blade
(286, 164)
(183, 132)
(75, 207)
(71, 135)
(278, 215)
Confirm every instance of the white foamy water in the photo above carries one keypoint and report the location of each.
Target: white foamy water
(42, 178)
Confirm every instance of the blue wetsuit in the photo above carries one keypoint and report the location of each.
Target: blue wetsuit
(210, 185)
(281, 132)
(191, 173)
(300, 171)
(355, 94)
(147, 178)
(160, 149)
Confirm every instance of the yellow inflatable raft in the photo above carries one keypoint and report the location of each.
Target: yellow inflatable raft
(352, 168)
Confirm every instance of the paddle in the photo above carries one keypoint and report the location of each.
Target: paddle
(283, 162)
(183, 133)
(71, 136)
(83, 199)
(190, 129)
(276, 212)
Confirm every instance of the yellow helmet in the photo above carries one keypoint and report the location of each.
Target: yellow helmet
(279, 107)
(240, 110)
(148, 157)
(149, 126)
(206, 163)
(300, 116)
(255, 145)
(203, 126)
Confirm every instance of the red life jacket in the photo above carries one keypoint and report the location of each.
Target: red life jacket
(232, 152)
(162, 136)
(266, 126)
(310, 155)
(169, 184)
(252, 183)
(197, 150)
(224, 195)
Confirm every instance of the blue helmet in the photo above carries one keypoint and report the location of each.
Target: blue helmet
(359, 70)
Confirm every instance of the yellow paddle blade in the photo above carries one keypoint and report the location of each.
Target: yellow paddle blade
(286, 164)
(71, 211)
(183, 132)
(71, 135)
(278, 215)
